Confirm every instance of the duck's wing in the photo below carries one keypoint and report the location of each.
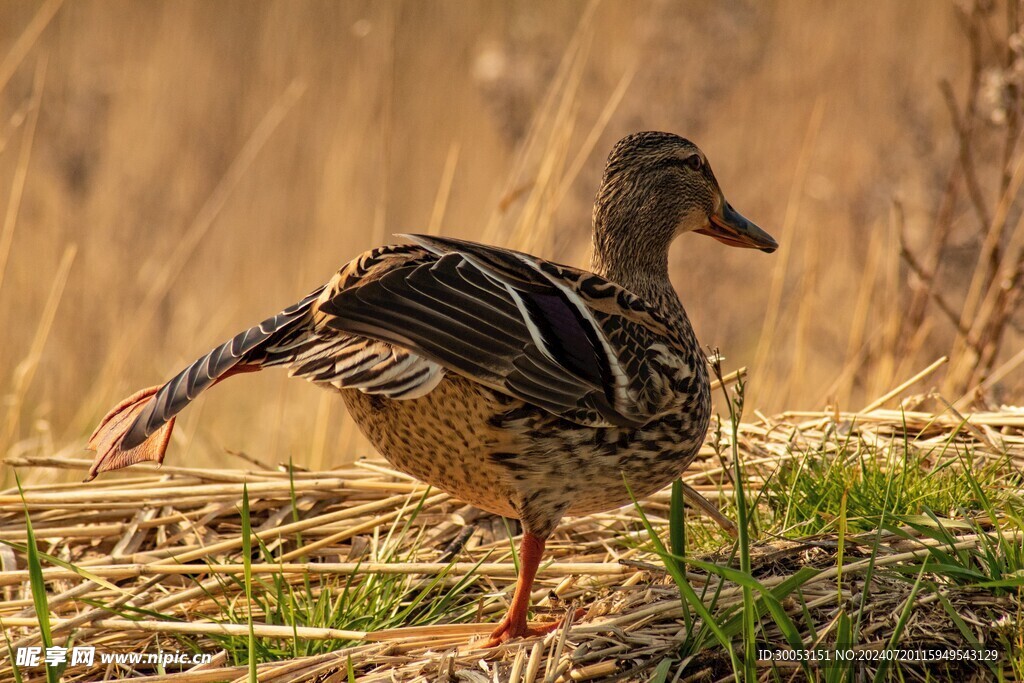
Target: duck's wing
(563, 339)
(329, 355)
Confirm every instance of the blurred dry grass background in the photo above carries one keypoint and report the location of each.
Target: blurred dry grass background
(173, 171)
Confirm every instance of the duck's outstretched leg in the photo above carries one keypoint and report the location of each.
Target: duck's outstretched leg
(107, 438)
(139, 428)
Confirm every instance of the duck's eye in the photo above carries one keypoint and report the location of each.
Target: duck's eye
(694, 162)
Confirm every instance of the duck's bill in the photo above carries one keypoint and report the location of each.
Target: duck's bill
(731, 228)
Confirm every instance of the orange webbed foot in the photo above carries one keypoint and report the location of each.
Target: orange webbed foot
(106, 440)
(506, 631)
(509, 629)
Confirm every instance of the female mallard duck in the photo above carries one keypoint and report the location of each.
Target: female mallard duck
(527, 388)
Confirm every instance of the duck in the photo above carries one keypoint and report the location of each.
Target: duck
(525, 387)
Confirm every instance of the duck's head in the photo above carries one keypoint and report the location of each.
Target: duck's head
(656, 187)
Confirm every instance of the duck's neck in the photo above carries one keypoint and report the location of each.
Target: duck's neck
(632, 256)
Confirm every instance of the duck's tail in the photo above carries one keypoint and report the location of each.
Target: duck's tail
(139, 428)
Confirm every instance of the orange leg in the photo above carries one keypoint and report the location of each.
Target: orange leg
(514, 624)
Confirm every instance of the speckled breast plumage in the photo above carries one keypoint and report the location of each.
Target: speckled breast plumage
(516, 460)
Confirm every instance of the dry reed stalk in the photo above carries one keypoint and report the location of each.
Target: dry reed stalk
(885, 398)
(992, 295)
(997, 375)
(26, 40)
(590, 142)
(804, 326)
(888, 331)
(24, 157)
(261, 630)
(766, 340)
(544, 119)
(26, 370)
(857, 347)
(321, 425)
(492, 570)
(444, 191)
(531, 233)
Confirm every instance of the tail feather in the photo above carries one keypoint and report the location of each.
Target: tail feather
(125, 435)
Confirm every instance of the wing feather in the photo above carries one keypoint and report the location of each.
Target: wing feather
(499, 318)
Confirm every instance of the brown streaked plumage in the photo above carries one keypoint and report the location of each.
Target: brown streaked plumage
(525, 387)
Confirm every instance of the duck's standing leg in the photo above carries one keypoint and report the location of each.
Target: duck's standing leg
(514, 625)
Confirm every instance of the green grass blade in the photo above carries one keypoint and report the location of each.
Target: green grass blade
(679, 577)
(901, 623)
(15, 671)
(771, 598)
(750, 616)
(677, 538)
(661, 671)
(247, 573)
(965, 630)
(36, 583)
(64, 564)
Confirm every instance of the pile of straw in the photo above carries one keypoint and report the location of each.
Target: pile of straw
(169, 538)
